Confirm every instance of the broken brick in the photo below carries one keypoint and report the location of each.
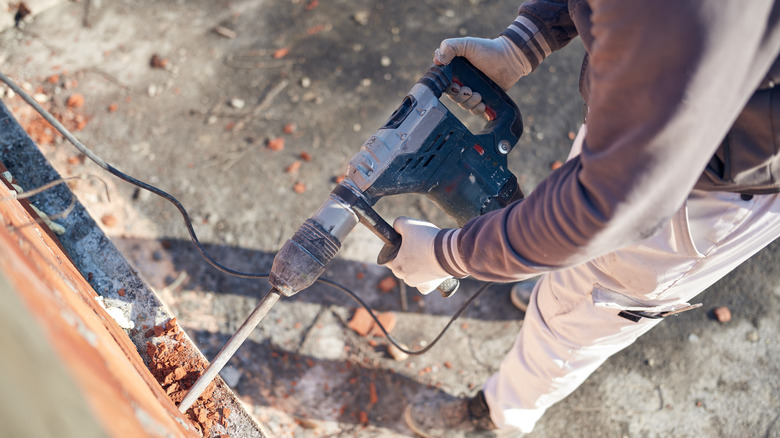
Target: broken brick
(293, 168)
(722, 314)
(150, 349)
(387, 319)
(281, 52)
(372, 393)
(275, 144)
(75, 100)
(387, 284)
(108, 220)
(179, 373)
(361, 322)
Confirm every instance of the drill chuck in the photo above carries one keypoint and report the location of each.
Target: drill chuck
(302, 259)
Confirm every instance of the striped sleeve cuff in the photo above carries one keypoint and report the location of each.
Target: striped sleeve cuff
(530, 37)
(446, 247)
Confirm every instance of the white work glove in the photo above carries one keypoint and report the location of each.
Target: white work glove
(499, 58)
(416, 262)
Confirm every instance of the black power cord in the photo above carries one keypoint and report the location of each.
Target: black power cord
(188, 223)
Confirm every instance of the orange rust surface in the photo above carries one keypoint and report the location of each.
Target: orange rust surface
(105, 364)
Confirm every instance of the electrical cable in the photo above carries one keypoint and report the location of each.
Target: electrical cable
(194, 238)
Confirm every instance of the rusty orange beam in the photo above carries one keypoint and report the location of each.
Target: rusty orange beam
(119, 391)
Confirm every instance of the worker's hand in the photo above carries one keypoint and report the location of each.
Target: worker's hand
(499, 58)
(416, 262)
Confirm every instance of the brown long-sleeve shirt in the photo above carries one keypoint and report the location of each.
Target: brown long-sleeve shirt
(665, 81)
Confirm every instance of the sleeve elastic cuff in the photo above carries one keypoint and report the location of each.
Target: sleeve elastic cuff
(528, 36)
(447, 254)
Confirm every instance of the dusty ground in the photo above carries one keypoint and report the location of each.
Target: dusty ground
(229, 77)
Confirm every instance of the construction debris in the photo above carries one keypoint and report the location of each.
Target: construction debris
(722, 314)
(176, 369)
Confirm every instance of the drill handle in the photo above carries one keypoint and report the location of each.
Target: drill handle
(505, 121)
(379, 226)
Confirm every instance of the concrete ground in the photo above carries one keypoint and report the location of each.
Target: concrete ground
(188, 95)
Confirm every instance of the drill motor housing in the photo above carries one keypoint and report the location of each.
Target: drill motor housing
(423, 148)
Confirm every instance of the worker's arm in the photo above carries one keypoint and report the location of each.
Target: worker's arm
(667, 79)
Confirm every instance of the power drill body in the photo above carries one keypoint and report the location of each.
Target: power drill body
(423, 148)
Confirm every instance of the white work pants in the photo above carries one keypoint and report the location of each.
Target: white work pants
(572, 324)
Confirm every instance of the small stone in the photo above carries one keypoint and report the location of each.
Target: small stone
(75, 100)
(225, 32)
(385, 61)
(361, 17)
(158, 62)
(752, 336)
(305, 82)
(396, 353)
(722, 314)
(108, 220)
(237, 103)
(299, 187)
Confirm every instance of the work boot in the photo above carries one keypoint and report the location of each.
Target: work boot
(447, 416)
(521, 294)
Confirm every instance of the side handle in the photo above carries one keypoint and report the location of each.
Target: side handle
(447, 287)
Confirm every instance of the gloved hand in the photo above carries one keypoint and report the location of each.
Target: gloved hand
(416, 262)
(499, 58)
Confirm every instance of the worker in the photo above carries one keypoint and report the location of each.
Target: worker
(671, 183)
